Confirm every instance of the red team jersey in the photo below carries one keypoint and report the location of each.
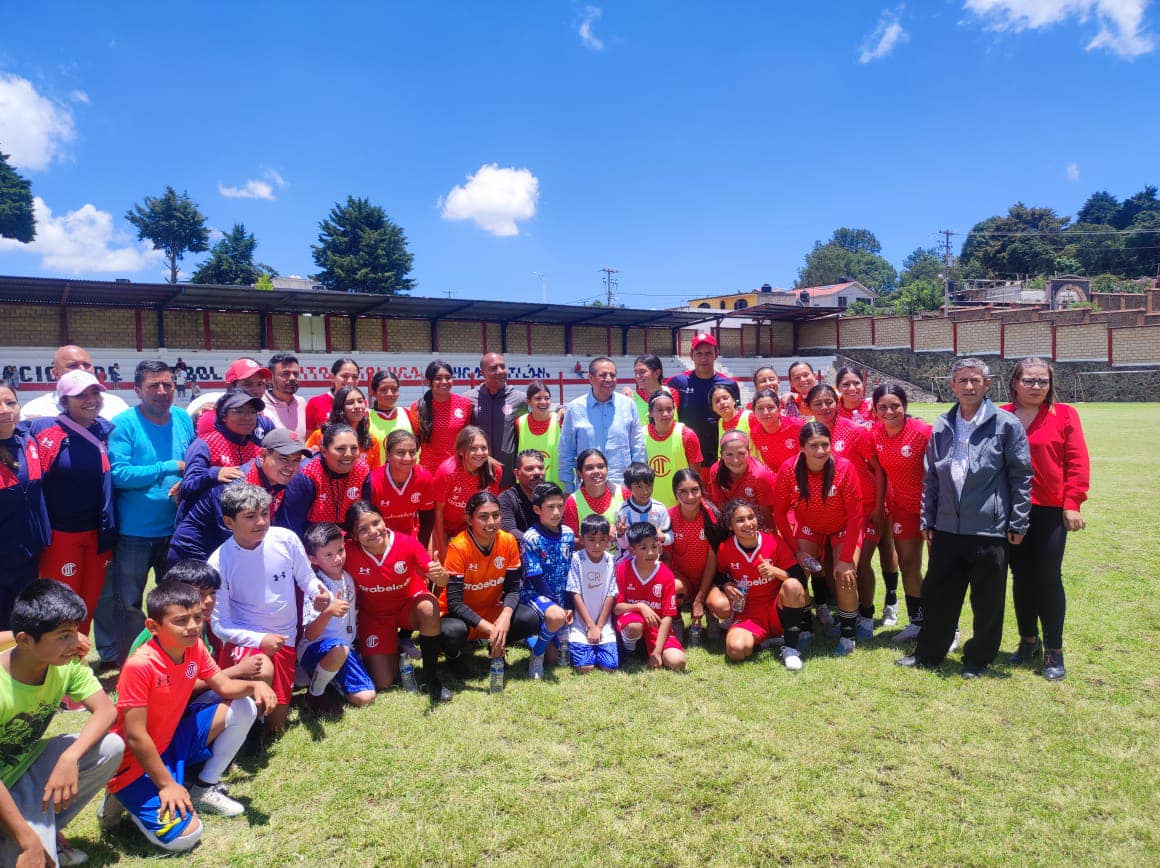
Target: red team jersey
(755, 485)
(453, 486)
(777, 448)
(690, 549)
(658, 591)
(387, 584)
(401, 505)
(447, 420)
(741, 566)
(901, 457)
(853, 443)
(840, 513)
(862, 415)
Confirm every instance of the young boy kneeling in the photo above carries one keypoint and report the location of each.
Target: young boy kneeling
(647, 600)
(328, 653)
(164, 733)
(45, 784)
(546, 552)
(593, 589)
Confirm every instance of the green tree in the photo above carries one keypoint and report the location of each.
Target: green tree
(16, 218)
(361, 250)
(174, 225)
(265, 282)
(923, 263)
(835, 261)
(856, 240)
(1100, 208)
(1142, 245)
(1023, 242)
(1097, 247)
(231, 262)
(1144, 202)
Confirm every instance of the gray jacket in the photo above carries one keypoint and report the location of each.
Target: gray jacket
(996, 496)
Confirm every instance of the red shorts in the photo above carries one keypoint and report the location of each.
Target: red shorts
(378, 631)
(650, 632)
(72, 559)
(284, 662)
(762, 621)
(905, 525)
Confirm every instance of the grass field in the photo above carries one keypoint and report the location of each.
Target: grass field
(849, 761)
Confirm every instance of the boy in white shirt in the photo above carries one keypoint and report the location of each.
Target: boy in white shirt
(592, 588)
(641, 506)
(327, 654)
(257, 610)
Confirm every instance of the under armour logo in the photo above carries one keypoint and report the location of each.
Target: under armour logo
(281, 575)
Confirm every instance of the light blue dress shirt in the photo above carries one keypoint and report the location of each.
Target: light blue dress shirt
(611, 426)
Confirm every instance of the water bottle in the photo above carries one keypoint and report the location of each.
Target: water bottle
(743, 587)
(407, 674)
(496, 684)
(695, 634)
(812, 564)
(563, 647)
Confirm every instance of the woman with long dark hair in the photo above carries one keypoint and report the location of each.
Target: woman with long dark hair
(594, 494)
(401, 490)
(350, 408)
(740, 476)
(24, 524)
(801, 379)
(693, 555)
(539, 429)
(1059, 486)
(344, 372)
(650, 377)
(671, 446)
(854, 405)
(774, 435)
(471, 469)
(438, 416)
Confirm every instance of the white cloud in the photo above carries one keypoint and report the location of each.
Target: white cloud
(587, 37)
(1073, 171)
(34, 130)
(79, 96)
(81, 242)
(255, 188)
(1121, 22)
(887, 36)
(494, 198)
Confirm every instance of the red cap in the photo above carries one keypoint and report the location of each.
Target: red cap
(704, 338)
(243, 368)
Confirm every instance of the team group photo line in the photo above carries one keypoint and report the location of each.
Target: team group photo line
(319, 552)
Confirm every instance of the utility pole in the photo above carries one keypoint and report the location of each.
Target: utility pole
(948, 262)
(609, 282)
(543, 286)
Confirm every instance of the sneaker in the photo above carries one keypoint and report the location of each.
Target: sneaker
(889, 614)
(791, 658)
(805, 641)
(323, 704)
(536, 668)
(845, 647)
(865, 628)
(1053, 668)
(909, 633)
(1026, 652)
(824, 615)
(909, 661)
(67, 855)
(954, 646)
(972, 671)
(213, 800)
(438, 692)
(110, 813)
(407, 646)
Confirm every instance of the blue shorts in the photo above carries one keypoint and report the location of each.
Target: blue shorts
(351, 678)
(539, 602)
(603, 656)
(190, 745)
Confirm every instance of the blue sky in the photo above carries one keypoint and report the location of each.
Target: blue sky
(698, 148)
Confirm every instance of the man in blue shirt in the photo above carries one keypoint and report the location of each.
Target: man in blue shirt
(146, 454)
(694, 387)
(601, 420)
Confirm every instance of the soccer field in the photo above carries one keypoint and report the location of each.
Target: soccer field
(851, 760)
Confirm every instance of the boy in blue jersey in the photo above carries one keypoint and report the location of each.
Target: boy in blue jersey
(546, 552)
(641, 506)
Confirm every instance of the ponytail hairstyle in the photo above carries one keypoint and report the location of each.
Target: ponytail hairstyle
(725, 528)
(477, 500)
(356, 511)
(426, 414)
(766, 393)
(847, 369)
(653, 363)
(330, 431)
(801, 472)
(760, 370)
(656, 396)
(724, 478)
(396, 437)
(535, 387)
(1017, 374)
(821, 389)
(381, 376)
(709, 513)
(889, 389)
(487, 471)
(722, 387)
(338, 415)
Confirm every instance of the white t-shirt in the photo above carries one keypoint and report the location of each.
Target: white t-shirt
(595, 583)
(46, 405)
(343, 629)
(257, 592)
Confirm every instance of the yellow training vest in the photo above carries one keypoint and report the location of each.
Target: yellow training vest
(547, 444)
(666, 457)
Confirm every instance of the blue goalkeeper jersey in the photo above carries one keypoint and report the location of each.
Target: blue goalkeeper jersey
(547, 557)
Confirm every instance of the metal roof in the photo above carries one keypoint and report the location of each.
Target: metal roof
(792, 312)
(58, 291)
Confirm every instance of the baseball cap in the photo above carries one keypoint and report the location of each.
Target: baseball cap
(243, 368)
(238, 400)
(704, 338)
(74, 382)
(283, 442)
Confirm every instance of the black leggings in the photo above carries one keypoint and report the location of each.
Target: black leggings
(1037, 577)
(453, 631)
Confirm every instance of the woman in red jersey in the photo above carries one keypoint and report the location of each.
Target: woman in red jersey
(774, 436)
(403, 491)
(671, 446)
(854, 404)
(823, 492)
(391, 571)
(692, 557)
(765, 378)
(344, 372)
(801, 379)
(740, 476)
(764, 586)
(852, 442)
(1059, 486)
(439, 416)
(350, 408)
(328, 484)
(471, 469)
(900, 446)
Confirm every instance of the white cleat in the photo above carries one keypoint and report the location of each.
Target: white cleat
(890, 615)
(909, 633)
(791, 658)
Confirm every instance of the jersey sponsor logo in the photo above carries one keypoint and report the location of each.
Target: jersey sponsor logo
(401, 567)
(383, 589)
(660, 465)
(69, 569)
(593, 578)
(191, 670)
(372, 641)
(490, 583)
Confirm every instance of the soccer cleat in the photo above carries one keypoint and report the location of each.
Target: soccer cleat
(972, 671)
(213, 800)
(845, 647)
(909, 661)
(536, 668)
(437, 692)
(110, 813)
(1053, 668)
(791, 658)
(889, 614)
(824, 615)
(1026, 652)
(954, 646)
(805, 640)
(907, 634)
(865, 628)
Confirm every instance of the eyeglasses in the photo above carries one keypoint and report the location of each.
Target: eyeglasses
(1035, 383)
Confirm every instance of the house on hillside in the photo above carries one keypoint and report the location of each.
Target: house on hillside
(833, 295)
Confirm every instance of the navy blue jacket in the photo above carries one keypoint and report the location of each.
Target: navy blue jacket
(78, 490)
(24, 526)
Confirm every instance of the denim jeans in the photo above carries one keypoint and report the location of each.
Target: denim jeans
(119, 618)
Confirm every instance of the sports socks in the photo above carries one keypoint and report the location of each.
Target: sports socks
(539, 644)
(914, 609)
(240, 716)
(866, 611)
(847, 624)
(890, 580)
(821, 592)
(320, 681)
(429, 648)
(791, 624)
